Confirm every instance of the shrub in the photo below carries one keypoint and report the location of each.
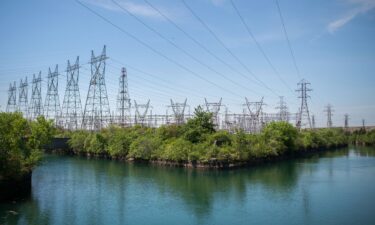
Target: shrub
(143, 147)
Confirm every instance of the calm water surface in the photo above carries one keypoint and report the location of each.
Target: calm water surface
(337, 187)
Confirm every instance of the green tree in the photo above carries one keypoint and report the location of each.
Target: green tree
(280, 136)
(197, 128)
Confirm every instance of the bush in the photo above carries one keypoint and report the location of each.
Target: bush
(143, 147)
(280, 136)
(119, 143)
(20, 144)
(177, 150)
(77, 141)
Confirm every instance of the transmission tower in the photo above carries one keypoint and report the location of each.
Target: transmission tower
(179, 111)
(313, 121)
(12, 98)
(214, 108)
(346, 121)
(303, 113)
(72, 108)
(52, 103)
(123, 100)
(97, 113)
(363, 124)
(23, 97)
(283, 110)
(255, 112)
(329, 111)
(140, 117)
(36, 108)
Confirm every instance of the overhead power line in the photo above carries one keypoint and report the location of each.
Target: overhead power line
(154, 50)
(202, 46)
(287, 39)
(260, 47)
(181, 49)
(260, 82)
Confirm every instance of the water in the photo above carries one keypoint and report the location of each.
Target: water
(337, 187)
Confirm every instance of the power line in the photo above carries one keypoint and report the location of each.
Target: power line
(227, 49)
(181, 49)
(154, 50)
(194, 39)
(287, 39)
(259, 46)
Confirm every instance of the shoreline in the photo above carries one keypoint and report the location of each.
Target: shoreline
(213, 164)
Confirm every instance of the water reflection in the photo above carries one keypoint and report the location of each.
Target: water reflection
(71, 190)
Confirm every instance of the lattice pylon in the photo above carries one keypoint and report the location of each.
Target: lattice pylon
(96, 114)
(72, 108)
(303, 113)
(12, 98)
(23, 98)
(123, 100)
(35, 106)
(52, 103)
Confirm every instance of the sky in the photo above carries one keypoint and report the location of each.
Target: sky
(170, 54)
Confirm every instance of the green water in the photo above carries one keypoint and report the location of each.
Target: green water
(337, 187)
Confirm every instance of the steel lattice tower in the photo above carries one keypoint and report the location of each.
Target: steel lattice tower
(179, 111)
(346, 121)
(140, 118)
(123, 100)
(283, 110)
(52, 103)
(23, 97)
(12, 98)
(214, 108)
(255, 111)
(36, 108)
(313, 121)
(303, 113)
(72, 108)
(97, 114)
(329, 111)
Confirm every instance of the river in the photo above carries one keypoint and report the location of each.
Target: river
(334, 187)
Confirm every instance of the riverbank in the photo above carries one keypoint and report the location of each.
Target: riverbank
(197, 144)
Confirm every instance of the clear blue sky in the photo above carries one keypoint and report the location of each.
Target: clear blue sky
(333, 43)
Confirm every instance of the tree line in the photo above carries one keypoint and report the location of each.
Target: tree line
(198, 141)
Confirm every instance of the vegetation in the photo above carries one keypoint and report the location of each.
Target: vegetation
(362, 137)
(197, 141)
(21, 142)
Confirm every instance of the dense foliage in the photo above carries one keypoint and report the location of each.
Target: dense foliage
(361, 137)
(197, 140)
(20, 143)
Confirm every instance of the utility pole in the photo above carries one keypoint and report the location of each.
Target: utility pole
(329, 111)
(97, 114)
(346, 121)
(72, 108)
(52, 102)
(23, 97)
(283, 110)
(36, 108)
(123, 100)
(303, 113)
(12, 98)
